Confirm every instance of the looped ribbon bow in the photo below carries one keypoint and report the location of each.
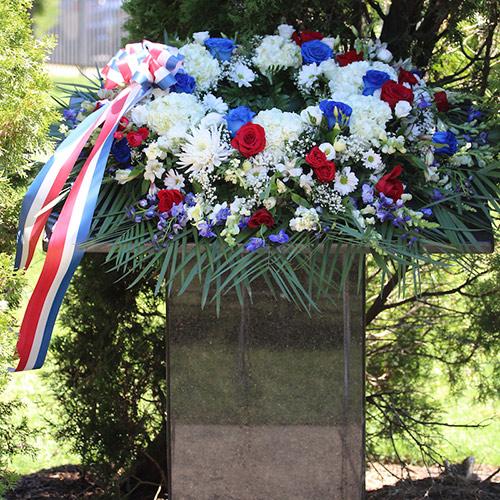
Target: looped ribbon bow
(139, 67)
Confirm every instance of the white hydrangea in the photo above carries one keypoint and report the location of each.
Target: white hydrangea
(139, 114)
(200, 64)
(308, 75)
(306, 219)
(285, 31)
(179, 111)
(281, 127)
(201, 36)
(242, 75)
(349, 79)
(276, 52)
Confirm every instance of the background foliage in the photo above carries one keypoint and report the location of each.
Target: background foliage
(25, 115)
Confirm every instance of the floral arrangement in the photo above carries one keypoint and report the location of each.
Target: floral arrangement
(292, 139)
(256, 160)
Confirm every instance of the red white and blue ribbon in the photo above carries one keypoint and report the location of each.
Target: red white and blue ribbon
(139, 67)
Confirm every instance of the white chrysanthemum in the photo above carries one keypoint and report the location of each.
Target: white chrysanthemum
(242, 75)
(122, 175)
(153, 170)
(306, 219)
(276, 52)
(308, 75)
(372, 160)
(280, 127)
(203, 150)
(174, 110)
(345, 181)
(200, 64)
(349, 79)
(212, 103)
(174, 180)
(369, 115)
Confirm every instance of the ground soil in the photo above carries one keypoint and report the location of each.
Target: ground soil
(382, 482)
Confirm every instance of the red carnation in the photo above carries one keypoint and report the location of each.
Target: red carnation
(144, 131)
(249, 140)
(349, 57)
(407, 77)
(261, 217)
(390, 185)
(135, 139)
(168, 198)
(123, 123)
(441, 100)
(300, 37)
(393, 92)
(316, 157)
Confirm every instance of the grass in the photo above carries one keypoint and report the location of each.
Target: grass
(41, 408)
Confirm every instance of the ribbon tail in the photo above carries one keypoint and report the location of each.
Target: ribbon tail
(72, 229)
(48, 185)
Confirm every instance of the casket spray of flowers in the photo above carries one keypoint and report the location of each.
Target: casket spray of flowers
(226, 162)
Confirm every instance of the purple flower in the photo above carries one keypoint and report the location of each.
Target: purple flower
(279, 238)
(205, 230)
(177, 210)
(473, 114)
(254, 244)
(243, 222)
(427, 212)
(121, 151)
(130, 212)
(423, 103)
(222, 215)
(437, 195)
(367, 194)
(149, 214)
(70, 115)
(143, 203)
(189, 200)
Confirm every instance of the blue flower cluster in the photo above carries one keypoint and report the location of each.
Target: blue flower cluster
(255, 243)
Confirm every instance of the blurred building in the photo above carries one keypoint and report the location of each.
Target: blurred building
(89, 32)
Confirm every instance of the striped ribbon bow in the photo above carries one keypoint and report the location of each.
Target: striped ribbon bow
(138, 68)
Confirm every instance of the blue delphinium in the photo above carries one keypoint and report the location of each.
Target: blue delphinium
(445, 143)
(254, 244)
(336, 113)
(281, 238)
(367, 194)
(220, 48)
(205, 230)
(373, 80)
(315, 51)
(473, 114)
(238, 117)
(121, 151)
(185, 83)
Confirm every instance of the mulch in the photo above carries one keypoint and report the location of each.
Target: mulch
(70, 482)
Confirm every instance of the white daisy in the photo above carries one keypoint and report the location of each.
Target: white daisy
(372, 160)
(203, 150)
(345, 181)
(242, 75)
(174, 180)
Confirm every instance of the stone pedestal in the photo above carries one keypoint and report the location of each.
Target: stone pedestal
(266, 402)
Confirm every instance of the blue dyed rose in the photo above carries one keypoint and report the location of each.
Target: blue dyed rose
(373, 80)
(220, 48)
(336, 113)
(238, 117)
(445, 143)
(121, 151)
(184, 83)
(315, 51)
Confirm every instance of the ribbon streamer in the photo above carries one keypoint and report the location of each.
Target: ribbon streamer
(139, 67)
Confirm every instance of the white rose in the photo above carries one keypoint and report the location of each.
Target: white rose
(384, 55)
(270, 203)
(312, 115)
(402, 109)
(200, 36)
(285, 31)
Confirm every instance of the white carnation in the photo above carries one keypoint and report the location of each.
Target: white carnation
(200, 64)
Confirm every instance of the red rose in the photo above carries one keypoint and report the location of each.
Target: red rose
(441, 100)
(326, 172)
(249, 140)
(390, 185)
(407, 77)
(261, 217)
(168, 198)
(135, 139)
(300, 37)
(393, 92)
(316, 157)
(123, 123)
(144, 131)
(349, 57)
